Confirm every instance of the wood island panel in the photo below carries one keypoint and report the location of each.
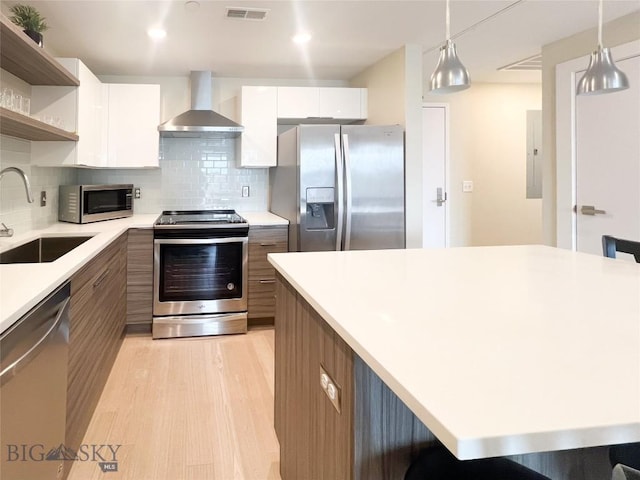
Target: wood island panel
(315, 440)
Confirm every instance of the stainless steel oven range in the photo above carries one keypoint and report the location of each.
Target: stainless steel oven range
(199, 273)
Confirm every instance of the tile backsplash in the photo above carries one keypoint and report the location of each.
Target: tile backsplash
(195, 173)
(15, 211)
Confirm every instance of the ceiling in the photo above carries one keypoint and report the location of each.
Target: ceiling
(110, 36)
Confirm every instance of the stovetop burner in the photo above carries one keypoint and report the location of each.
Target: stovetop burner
(199, 218)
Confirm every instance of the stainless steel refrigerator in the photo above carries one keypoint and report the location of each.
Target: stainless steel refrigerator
(341, 187)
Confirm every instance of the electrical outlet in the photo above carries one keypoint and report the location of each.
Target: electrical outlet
(136, 192)
(467, 186)
(245, 190)
(43, 198)
(330, 388)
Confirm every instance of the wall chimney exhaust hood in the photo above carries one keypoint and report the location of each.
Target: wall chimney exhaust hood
(200, 121)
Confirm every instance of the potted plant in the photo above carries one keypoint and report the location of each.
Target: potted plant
(30, 20)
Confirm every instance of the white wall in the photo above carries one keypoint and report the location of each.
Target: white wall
(394, 97)
(488, 146)
(617, 32)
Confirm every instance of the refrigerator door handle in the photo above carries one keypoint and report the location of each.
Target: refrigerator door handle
(347, 191)
(339, 182)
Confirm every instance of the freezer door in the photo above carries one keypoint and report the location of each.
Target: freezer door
(317, 160)
(374, 187)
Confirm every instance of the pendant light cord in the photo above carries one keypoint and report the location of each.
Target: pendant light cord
(471, 27)
(599, 24)
(447, 22)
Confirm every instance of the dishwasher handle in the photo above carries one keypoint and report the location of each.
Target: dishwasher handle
(33, 350)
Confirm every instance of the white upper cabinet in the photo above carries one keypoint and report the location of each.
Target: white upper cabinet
(132, 127)
(258, 117)
(117, 123)
(76, 109)
(298, 102)
(342, 103)
(329, 103)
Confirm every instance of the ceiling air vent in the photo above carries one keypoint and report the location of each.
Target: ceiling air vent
(529, 63)
(247, 13)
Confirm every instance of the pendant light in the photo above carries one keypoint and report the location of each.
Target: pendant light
(450, 74)
(602, 76)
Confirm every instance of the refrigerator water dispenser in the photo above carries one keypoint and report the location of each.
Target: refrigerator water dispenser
(320, 212)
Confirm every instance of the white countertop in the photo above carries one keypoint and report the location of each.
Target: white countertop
(263, 219)
(22, 286)
(498, 350)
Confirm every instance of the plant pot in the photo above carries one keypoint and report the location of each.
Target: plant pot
(35, 36)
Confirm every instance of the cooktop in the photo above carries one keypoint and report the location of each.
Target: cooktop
(199, 217)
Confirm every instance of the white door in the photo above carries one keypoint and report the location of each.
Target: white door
(435, 151)
(608, 163)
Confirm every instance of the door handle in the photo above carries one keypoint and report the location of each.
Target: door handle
(441, 196)
(591, 210)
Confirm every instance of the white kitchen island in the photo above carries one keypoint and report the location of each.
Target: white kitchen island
(497, 350)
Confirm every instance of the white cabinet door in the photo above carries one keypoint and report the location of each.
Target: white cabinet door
(79, 109)
(340, 103)
(298, 102)
(258, 116)
(132, 133)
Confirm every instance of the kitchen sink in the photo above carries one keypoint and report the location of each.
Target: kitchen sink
(41, 250)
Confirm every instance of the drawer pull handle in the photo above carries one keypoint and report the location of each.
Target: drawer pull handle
(267, 244)
(97, 283)
(273, 280)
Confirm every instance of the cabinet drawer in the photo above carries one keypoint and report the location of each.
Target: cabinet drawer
(259, 266)
(95, 267)
(262, 299)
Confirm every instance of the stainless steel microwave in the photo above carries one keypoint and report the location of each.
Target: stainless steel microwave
(94, 203)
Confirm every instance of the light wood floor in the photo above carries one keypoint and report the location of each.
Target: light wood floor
(193, 409)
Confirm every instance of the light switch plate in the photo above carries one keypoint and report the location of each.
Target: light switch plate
(467, 186)
(245, 190)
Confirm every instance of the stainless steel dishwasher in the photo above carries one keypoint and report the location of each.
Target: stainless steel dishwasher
(33, 391)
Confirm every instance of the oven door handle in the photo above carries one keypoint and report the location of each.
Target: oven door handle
(199, 241)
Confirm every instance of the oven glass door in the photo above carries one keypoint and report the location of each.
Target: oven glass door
(200, 275)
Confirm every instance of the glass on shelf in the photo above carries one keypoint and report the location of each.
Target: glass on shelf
(6, 100)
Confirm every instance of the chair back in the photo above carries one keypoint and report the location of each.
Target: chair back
(611, 245)
(622, 472)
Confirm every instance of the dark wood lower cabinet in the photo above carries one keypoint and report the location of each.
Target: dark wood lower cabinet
(96, 329)
(375, 436)
(140, 279)
(262, 279)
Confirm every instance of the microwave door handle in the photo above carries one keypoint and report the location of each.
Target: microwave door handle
(340, 187)
(347, 191)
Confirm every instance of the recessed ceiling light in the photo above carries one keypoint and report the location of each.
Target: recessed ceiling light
(302, 38)
(157, 33)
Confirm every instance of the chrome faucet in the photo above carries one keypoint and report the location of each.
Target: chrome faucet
(5, 231)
